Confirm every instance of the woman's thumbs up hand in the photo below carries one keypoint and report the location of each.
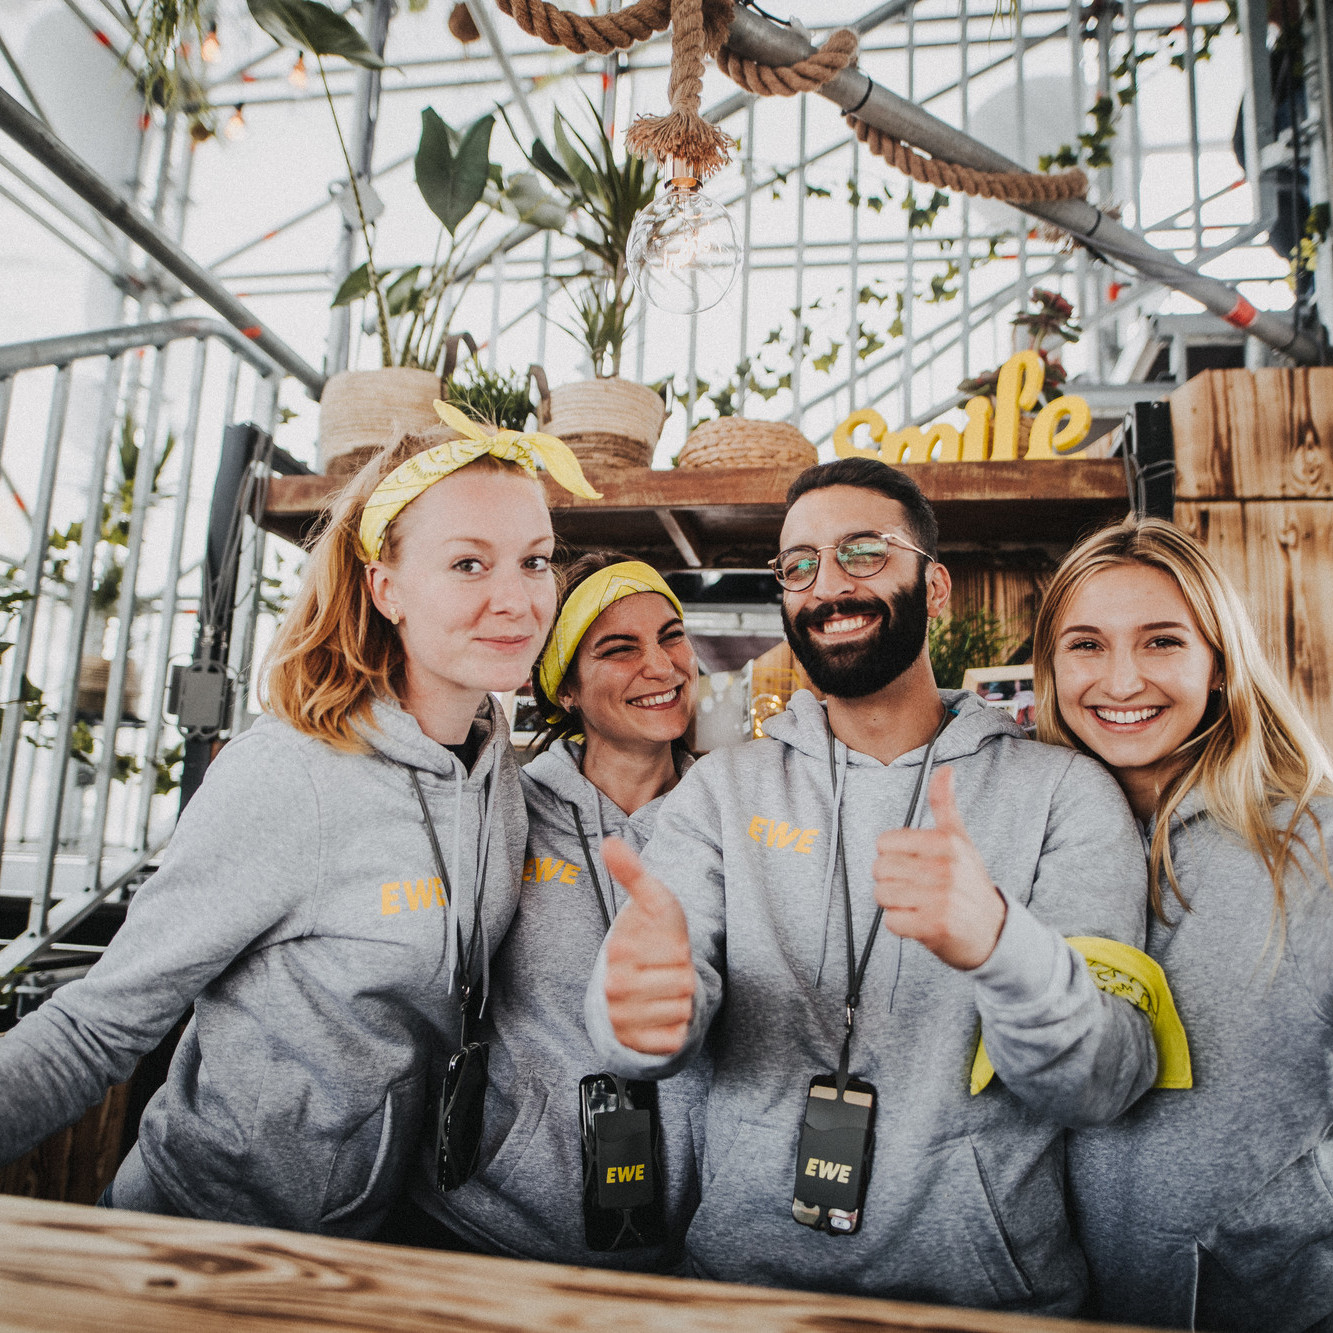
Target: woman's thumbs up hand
(649, 972)
(934, 886)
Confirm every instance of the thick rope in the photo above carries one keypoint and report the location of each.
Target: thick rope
(684, 134)
(604, 33)
(805, 76)
(839, 51)
(700, 28)
(1011, 187)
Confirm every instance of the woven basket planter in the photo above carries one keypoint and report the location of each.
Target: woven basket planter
(608, 422)
(363, 410)
(740, 442)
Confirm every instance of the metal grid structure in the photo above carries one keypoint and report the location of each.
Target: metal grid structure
(854, 291)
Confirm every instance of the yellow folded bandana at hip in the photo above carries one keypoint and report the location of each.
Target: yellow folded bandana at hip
(585, 604)
(422, 470)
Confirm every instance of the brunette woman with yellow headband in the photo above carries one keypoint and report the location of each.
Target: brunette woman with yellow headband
(332, 893)
(617, 683)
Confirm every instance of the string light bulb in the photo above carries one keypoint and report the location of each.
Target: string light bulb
(298, 77)
(682, 251)
(211, 48)
(235, 127)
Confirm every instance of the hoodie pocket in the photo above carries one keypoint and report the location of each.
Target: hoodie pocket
(1277, 1245)
(986, 1229)
(367, 1169)
(514, 1147)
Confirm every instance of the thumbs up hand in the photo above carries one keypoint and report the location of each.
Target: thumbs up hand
(649, 972)
(934, 886)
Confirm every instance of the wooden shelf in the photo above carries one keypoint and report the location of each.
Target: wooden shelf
(729, 518)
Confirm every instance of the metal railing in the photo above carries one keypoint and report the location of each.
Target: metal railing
(98, 610)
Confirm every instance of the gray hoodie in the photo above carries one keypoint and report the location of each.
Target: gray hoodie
(526, 1201)
(966, 1199)
(1214, 1205)
(297, 909)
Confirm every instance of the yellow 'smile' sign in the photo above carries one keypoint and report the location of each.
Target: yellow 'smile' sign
(992, 427)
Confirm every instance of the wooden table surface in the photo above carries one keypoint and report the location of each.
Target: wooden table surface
(69, 1268)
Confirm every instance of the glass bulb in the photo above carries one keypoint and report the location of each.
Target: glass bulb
(298, 77)
(211, 48)
(235, 126)
(682, 251)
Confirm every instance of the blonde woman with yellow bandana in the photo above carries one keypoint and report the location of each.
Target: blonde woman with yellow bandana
(336, 886)
(617, 683)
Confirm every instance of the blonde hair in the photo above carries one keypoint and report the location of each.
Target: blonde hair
(335, 653)
(1252, 751)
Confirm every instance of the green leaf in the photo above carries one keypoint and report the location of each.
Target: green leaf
(525, 200)
(543, 160)
(310, 26)
(356, 284)
(585, 178)
(452, 183)
(399, 296)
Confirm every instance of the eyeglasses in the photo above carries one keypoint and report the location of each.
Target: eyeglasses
(862, 557)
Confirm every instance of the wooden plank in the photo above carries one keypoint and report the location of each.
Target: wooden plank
(1280, 556)
(731, 516)
(1264, 434)
(83, 1270)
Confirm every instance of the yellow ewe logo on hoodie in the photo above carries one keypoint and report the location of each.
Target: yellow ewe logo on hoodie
(783, 836)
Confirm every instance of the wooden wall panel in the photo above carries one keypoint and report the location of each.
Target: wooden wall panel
(1254, 434)
(1011, 593)
(1280, 556)
(76, 1164)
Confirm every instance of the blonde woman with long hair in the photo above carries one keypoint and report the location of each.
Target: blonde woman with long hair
(332, 893)
(1207, 1206)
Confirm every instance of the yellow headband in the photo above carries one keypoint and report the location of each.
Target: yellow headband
(410, 478)
(585, 604)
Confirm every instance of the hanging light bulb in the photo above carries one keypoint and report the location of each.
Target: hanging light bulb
(298, 77)
(211, 47)
(682, 250)
(235, 127)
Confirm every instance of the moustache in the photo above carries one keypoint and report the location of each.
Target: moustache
(816, 617)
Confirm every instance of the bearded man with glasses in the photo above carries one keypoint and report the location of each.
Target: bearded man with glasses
(887, 1105)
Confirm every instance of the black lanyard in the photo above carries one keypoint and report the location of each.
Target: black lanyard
(856, 973)
(592, 871)
(464, 958)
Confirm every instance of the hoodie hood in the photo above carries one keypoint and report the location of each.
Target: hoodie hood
(397, 735)
(553, 781)
(804, 726)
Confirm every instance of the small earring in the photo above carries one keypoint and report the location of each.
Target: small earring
(393, 616)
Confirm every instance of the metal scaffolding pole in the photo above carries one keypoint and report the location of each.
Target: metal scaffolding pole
(365, 113)
(29, 132)
(755, 38)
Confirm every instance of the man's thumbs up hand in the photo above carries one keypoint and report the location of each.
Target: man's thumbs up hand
(934, 887)
(649, 972)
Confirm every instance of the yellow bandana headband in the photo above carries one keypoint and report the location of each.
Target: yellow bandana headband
(585, 604)
(1120, 969)
(422, 470)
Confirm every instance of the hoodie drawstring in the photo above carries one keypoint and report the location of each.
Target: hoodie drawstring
(831, 868)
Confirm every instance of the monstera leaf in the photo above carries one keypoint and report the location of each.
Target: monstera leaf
(452, 181)
(310, 26)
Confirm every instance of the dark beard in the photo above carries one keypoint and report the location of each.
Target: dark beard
(859, 670)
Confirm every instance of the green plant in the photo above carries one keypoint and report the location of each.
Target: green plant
(497, 398)
(1051, 317)
(455, 176)
(967, 639)
(605, 196)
